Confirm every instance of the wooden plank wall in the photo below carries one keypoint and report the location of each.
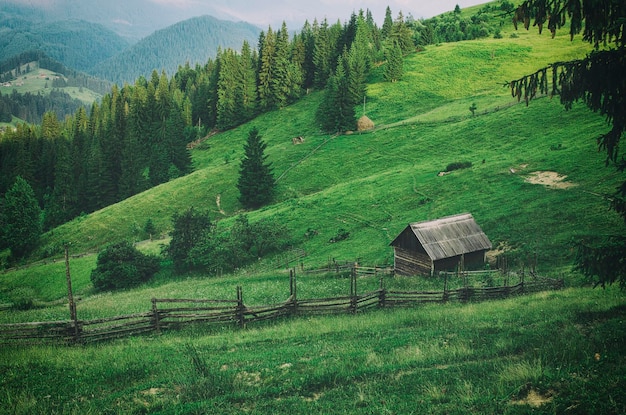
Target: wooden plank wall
(408, 262)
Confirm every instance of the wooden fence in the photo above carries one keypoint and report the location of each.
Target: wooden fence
(167, 314)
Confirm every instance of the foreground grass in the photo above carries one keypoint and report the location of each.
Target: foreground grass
(553, 352)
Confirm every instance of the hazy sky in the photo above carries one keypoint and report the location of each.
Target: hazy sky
(264, 12)
(275, 11)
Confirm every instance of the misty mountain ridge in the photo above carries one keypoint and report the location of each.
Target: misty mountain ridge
(75, 43)
(131, 19)
(193, 40)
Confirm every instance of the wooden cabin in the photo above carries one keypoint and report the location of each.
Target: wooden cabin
(426, 248)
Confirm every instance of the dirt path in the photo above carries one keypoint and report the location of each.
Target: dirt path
(218, 202)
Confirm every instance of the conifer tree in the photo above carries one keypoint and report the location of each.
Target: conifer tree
(267, 55)
(211, 91)
(80, 142)
(62, 202)
(322, 54)
(387, 24)
(22, 215)
(394, 67)
(228, 108)
(134, 161)
(176, 145)
(256, 182)
(336, 111)
(287, 79)
(402, 34)
(306, 41)
(598, 81)
(248, 94)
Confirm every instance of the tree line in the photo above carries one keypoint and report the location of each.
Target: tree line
(32, 107)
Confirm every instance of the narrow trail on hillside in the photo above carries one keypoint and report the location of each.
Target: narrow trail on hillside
(407, 121)
(218, 202)
(297, 163)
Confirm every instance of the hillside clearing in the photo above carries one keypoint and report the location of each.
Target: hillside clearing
(550, 179)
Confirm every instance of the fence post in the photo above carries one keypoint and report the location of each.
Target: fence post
(70, 295)
(240, 307)
(155, 316)
(445, 287)
(382, 293)
(293, 291)
(353, 298)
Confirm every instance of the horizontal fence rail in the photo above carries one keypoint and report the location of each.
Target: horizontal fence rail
(167, 314)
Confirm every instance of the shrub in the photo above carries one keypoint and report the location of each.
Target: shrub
(341, 235)
(242, 244)
(121, 265)
(190, 229)
(459, 165)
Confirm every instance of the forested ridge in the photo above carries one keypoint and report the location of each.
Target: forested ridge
(194, 40)
(30, 106)
(76, 44)
(137, 136)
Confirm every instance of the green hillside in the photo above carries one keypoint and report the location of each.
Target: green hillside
(537, 183)
(373, 184)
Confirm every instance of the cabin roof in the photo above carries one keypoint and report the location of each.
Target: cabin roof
(449, 236)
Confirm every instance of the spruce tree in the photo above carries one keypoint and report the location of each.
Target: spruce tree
(62, 202)
(322, 56)
(387, 24)
(256, 180)
(394, 67)
(336, 111)
(248, 95)
(22, 216)
(267, 55)
(228, 110)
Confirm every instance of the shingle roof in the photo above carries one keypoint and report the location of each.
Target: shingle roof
(450, 236)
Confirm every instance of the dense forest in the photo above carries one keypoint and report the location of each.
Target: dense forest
(77, 44)
(31, 107)
(194, 40)
(11, 68)
(137, 136)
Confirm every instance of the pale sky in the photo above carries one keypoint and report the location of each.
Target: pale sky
(160, 13)
(274, 12)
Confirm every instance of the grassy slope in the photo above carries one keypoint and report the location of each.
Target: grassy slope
(36, 80)
(373, 184)
(478, 358)
(494, 357)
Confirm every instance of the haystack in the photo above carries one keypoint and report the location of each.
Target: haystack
(364, 124)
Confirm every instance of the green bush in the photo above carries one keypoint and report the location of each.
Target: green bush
(121, 265)
(459, 165)
(190, 229)
(242, 244)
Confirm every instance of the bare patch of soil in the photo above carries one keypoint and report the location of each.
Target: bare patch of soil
(535, 398)
(549, 179)
(218, 202)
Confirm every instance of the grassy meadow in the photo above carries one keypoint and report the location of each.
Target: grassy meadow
(39, 81)
(553, 352)
(556, 352)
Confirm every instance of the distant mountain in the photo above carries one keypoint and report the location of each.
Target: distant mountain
(131, 19)
(194, 40)
(76, 44)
